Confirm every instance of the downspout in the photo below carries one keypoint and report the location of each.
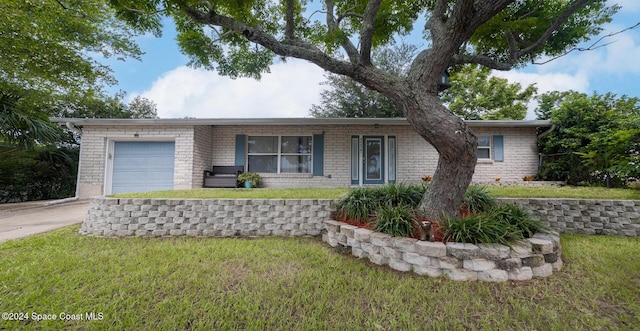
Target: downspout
(76, 130)
(542, 135)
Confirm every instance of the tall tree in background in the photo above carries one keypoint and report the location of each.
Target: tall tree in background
(102, 106)
(344, 97)
(48, 51)
(475, 95)
(47, 47)
(241, 38)
(596, 140)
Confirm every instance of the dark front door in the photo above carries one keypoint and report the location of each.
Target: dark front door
(373, 159)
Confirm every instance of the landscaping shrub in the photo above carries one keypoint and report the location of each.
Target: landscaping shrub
(391, 209)
(401, 194)
(517, 216)
(43, 173)
(397, 221)
(480, 229)
(358, 204)
(477, 199)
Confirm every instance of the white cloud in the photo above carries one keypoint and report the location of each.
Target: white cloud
(547, 81)
(288, 91)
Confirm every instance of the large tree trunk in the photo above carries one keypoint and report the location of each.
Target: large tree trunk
(456, 144)
(457, 148)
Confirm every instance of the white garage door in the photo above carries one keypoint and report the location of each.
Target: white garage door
(142, 166)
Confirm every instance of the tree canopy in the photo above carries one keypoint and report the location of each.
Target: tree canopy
(475, 95)
(344, 97)
(48, 47)
(596, 140)
(240, 38)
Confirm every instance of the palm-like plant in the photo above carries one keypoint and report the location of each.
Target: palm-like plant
(22, 128)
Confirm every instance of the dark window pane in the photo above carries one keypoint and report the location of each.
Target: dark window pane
(484, 141)
(296, 145)
(483, 153)
(300, 164)
(263, 163)
(263, 144)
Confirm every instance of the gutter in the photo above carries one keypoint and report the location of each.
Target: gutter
(543, 134)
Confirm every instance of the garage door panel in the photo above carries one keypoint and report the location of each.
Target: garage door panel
(143, 166)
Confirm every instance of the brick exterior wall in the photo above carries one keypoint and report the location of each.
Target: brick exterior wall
(97, 139)
(520, 155)
(202, 157)
(200, 147)
(415, 158)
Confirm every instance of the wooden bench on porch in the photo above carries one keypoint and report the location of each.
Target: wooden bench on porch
(222, 176)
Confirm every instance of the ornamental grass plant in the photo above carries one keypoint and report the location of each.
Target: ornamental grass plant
(397, 221)
(477, 199)
(517, 216)
(480, 229)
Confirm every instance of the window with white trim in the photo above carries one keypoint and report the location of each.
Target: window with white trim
(484, 148)
(279, 154)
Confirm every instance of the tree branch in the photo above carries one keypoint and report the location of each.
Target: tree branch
(296, 48)
(481, 60)
(593, 46)
(560, 20)
(290, 20)
(366, 35)
(347, 14)
(79, 13)
(532, 11)
(333, 25)
(440, 9)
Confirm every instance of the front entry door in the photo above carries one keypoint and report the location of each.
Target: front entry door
(373, 159)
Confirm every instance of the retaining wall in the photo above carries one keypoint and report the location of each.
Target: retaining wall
(610, 217)
(113, 217)
(532, 257)
(299, 217)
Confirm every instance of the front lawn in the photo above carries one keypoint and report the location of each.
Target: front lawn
(507, 191)
(567, 192)
(299, 284)
(241, 193)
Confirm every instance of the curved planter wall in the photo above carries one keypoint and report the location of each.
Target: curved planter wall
(533, 257)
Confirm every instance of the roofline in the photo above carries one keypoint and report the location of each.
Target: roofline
(281, 121)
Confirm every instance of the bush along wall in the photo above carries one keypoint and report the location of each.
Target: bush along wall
(41, 174)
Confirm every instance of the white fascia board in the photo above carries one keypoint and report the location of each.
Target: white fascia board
(280, 121)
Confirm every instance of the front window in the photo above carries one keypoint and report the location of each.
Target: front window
(484, 148)
(279, 154)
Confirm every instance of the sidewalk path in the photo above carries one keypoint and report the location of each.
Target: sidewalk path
(18, 220)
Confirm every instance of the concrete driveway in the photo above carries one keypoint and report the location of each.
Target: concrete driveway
(18, 220)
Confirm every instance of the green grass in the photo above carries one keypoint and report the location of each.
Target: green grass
(521, 191)
(300, 284)
(241, 193)
(515, 191)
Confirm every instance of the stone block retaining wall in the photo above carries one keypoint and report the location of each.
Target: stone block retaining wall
(586, 216)
(533, 257)
(113, 217)
(294, 217)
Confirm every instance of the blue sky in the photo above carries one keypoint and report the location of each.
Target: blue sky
(292, 87)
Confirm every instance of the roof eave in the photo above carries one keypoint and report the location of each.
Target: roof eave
(282, 121)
